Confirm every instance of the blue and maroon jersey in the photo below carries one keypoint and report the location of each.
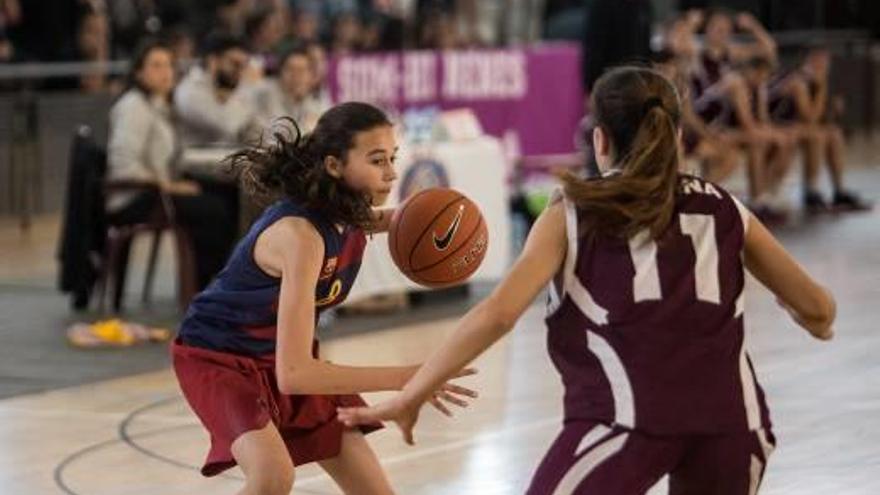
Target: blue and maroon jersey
(648, 334)
(238, 311)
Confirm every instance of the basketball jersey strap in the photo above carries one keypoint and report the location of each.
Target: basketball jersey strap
(571, 285)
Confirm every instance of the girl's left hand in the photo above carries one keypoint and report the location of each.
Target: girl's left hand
(453, 394)
(404, 414)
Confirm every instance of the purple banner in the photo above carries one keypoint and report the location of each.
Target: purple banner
(534, 92)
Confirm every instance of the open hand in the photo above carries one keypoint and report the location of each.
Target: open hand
(453, 394)
(406, 413)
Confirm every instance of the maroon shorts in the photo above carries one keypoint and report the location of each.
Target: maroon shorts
(591, 458)
(233, 394)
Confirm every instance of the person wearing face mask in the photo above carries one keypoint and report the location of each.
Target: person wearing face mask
(212, 99)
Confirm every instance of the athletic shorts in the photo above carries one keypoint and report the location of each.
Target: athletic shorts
(592, 458)
(234, 394)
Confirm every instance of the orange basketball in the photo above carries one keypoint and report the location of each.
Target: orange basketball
(438, 237)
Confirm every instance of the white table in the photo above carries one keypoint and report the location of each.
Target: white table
(474, 167)
(477, 169)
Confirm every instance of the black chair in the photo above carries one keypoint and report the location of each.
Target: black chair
(94, 251)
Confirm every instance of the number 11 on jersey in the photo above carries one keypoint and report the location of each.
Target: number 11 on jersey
(700, 229)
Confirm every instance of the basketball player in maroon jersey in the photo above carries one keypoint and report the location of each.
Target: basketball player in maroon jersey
(717, 154)
(801, 100)
(646, 272)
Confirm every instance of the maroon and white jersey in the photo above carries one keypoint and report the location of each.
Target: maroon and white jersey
(649, 334)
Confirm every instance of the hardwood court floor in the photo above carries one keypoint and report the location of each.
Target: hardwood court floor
(136, 436)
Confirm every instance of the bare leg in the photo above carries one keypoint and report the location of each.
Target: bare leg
(836, 150)
(755, 150)
(265, 461)
(757, 168)
(780, 160)
(356, 469)
(812, 142)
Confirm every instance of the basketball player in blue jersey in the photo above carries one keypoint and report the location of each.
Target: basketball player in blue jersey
(246, 356)
(646, 272)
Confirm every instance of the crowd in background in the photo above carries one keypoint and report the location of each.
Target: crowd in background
(741, 109)
(216, 73)
(102, 30)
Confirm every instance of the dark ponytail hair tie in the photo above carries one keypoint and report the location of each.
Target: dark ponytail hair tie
(651, 103)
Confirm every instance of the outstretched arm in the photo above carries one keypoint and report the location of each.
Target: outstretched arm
(483, 325)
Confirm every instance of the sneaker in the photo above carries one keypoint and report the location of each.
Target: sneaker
(848, 201)
(814, 203)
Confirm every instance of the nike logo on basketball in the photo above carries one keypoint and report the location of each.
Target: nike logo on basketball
(442, 243)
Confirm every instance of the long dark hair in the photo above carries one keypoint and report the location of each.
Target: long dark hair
(640, 112)
(291, 164)
(139, 59)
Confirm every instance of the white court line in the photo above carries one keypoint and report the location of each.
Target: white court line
(68, 414)
(445, 447)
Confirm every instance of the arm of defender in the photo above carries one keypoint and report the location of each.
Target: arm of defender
(542, 256)
(483, 325)
(810, 304)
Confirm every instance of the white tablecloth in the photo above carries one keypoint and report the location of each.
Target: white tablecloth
(477, 169)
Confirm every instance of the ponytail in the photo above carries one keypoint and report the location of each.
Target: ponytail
(639, 111)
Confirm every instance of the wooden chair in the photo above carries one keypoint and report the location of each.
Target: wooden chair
(94, 251)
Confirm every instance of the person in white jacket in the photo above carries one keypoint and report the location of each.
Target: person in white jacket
(143, 146)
